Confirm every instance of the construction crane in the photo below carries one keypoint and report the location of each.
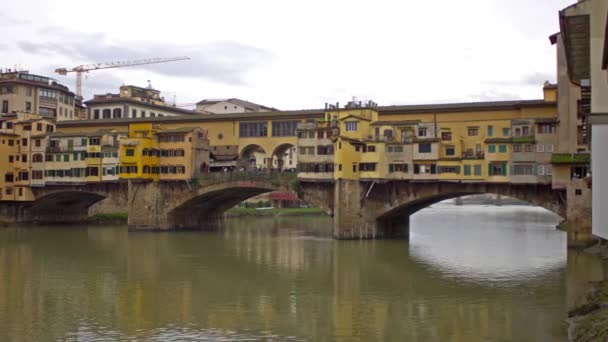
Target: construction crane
(88, 67)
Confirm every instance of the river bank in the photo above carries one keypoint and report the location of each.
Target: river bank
(589, 321)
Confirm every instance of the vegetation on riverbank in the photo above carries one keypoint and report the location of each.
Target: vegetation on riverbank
(589, 322)
(109, 218)
(563, 226)
(244, 212)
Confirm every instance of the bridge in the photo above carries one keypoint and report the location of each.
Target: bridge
(361, 209)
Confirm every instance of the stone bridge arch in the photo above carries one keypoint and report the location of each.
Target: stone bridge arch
(181, 205)
(383, 210)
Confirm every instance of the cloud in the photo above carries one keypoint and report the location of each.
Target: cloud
(493, 95)
(6, 20)
(537, 78)
(221, 61)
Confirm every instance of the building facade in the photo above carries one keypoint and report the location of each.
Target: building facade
(23, 140)
(152, 153)
(21, 91)
(583, 96)
(356, 143)
(132, 102)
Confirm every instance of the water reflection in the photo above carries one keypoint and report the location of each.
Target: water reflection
(285, 279)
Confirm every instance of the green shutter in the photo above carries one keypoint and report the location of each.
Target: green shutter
(490, 173)
(75, 155)
(467, 170)
(504, 168)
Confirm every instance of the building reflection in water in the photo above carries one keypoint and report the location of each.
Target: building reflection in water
(287, 278)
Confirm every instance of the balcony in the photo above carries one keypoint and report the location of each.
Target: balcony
(472, 155)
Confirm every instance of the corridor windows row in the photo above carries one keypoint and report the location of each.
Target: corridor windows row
(163, 169)
(160, 153)
(284, 128)
(315, 167)
(253, 129)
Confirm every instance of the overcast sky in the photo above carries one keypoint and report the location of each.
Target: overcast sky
(294, 55)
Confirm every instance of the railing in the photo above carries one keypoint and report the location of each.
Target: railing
(472, 155)
(275, 177)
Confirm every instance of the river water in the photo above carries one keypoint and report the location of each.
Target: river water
(468, 273)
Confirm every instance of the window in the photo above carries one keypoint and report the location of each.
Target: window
(367, 167)
(467, 170)
(388, 134)
(129, 152)
(516, 147)
(547, 128)
(96, 114)
(92, 172)
(490, 131)
(497, 169)
(24, 158)
(351, 126)
(477, 170)
(394, 148)
(540, 148)
(66, 157)
(117, 113)
(578, 192)
(10, 159)
(517, 132)
(450, 151)
(47, 95)
(401, 167)
(541, 170)
(143, 114)
(8, 178)
(28, 106)
(325, 150)
(94, 141)
(446, 136)
(36, 174)
(491, 148)
(502, 148)
(48, 112)
(422, 132)
(449, 169)
(24, 142)
(523, 170)
(473, 132)
(253, 129)
(529, 148)
(370, 148)
(424, 148)
(549, 148)
(354, 167)
(425, 169)
(107, 114)
(525, 131)
(37, 158)
(284, 128)
(5, 106)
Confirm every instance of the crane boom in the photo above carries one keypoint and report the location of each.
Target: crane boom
(119, 64)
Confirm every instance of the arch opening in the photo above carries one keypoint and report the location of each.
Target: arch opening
(253, 157)
(206, 209)
(63, 207)
(284, 157)
(396, 221)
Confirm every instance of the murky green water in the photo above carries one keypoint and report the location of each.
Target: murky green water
(467, 274)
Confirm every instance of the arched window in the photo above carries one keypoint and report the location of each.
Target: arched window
(37, 158)
(117, 113)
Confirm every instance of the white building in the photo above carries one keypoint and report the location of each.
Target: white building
(233, 105)
(583, 27)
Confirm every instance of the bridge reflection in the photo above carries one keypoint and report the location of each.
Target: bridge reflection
(284, 277)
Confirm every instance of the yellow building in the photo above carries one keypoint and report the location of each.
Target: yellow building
(23, 139)
(152, 153)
